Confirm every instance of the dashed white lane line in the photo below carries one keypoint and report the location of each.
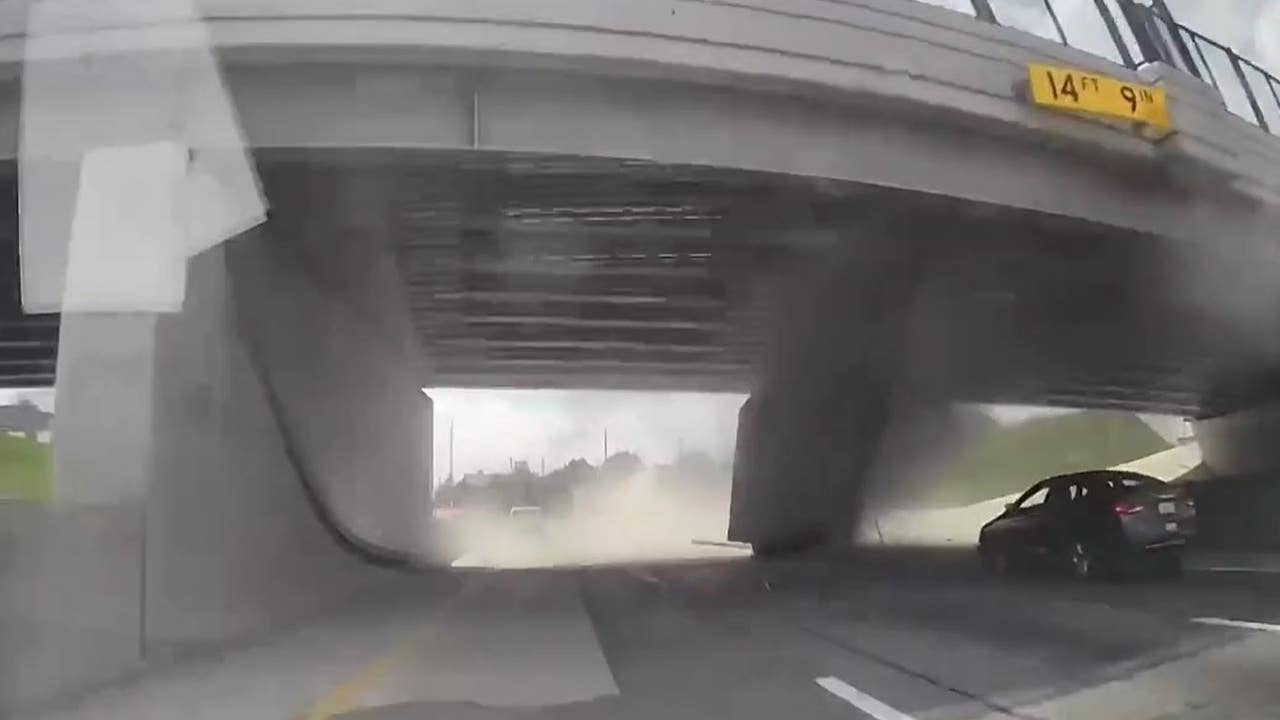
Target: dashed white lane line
(1266, 627)
(1235, 569)
(645, 575)
(860, 700)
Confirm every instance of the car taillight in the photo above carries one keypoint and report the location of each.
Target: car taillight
(1126, 508)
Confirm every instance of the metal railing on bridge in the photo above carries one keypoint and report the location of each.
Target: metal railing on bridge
(1132, 34)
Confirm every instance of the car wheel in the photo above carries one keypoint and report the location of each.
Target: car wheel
(1082, 562)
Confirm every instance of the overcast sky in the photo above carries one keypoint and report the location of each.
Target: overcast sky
(42, 397)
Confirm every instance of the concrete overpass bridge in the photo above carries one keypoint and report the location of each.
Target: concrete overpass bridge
(848, 209)
(551, 228)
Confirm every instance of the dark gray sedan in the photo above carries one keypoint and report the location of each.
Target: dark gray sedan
(1091, 524)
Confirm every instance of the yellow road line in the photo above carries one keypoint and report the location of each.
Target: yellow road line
(347, 696)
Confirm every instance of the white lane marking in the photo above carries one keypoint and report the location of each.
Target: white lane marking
(1239, 569)
(646, 576)
(860, 700)
(469, 560)
(1237, 623)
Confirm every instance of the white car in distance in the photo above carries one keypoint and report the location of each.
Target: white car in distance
(526, 519)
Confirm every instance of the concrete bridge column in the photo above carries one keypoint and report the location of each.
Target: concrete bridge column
(221, 472)
(71, 563)
(800, 465)
(344, 387)
(810, 434)
(1239, 502)
(291, 451)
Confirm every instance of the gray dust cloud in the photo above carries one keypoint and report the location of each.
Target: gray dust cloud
(531, 485)
(633, 519)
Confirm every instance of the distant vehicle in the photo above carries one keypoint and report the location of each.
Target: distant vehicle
(447, 512)
(527, 518)
(1091, 524)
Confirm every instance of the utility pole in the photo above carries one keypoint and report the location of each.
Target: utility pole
(451, 452)
(606, 445)
(543, 470)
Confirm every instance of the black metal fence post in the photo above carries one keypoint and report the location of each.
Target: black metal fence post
(982, 10)
(1204, 62)
(1140, 23)
(1180, 45)
(1057, 24)
(1248, 90)
(1109, 20)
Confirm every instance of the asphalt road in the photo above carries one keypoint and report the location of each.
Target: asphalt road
(884, 633)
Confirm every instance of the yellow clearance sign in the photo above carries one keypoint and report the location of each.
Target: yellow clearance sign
(1105, 97)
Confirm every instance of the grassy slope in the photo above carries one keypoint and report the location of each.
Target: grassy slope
(25, 468)
(1006, 460)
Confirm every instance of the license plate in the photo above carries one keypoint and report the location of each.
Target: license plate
(1166, 508)
(1171, 526)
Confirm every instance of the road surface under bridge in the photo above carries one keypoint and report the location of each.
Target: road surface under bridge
(884, 633)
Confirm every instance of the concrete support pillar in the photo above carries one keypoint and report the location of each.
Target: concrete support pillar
(809, 435)
(1239, 499)
(236, 544)
(346, 393)
(71, 566)
(221, 472)
(799, 468)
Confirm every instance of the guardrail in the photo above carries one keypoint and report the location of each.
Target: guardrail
(1248, 89)
(1132, 34)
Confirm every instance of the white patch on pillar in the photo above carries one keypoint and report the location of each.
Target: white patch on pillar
(120, 93)
(126, 252)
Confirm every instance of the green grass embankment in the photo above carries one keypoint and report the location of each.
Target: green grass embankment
(1006, 460)
(26, 469)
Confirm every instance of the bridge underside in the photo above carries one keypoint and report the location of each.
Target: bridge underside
(565, 272)
(534, 271)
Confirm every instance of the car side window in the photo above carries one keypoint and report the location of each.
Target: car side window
(1059, 495)
(1084, 490)
(1085, 493)
(1033, 498)
(1101, 490)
